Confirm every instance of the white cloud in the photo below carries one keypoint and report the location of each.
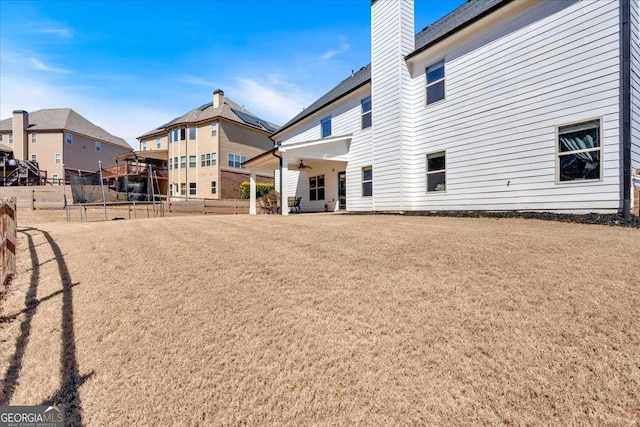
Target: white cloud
(277, 101)
(39, 65)
(194, 80)
(65, 33)
(344, 47)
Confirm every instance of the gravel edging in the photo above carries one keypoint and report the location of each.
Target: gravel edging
(591, 218)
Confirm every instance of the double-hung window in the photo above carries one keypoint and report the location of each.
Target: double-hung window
(143, 146)
(435, 82)
(316, 187)
(214, 188)
(158, 144)
(58, 158)
(10, 138)
(193, 189)
(366, 112)
(236, 161)
(208, 159)
(325, 127)
(68, 138)
(367, 181)
(436, 172)
(34, 138)
(579, 152)
(183, 162)
(192, 161)
(192, 133)
(214, 129)
(98, 146)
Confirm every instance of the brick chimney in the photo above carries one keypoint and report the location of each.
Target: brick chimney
(19, 125)
(218, 98)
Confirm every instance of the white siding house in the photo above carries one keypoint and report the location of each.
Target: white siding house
(500, 105)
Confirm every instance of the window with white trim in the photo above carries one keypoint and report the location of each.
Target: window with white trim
(68, 138)
(193, 189)
(34, 157)
(192, 161)
(192, 133)
(436, 172)
(58, 158)
(54, 178)
(0, 137)
(367, 181)
(158, 143)
(183, 134)
(316, 187)
(143, 146)
(579, 152)
(325, 127)
(183, 162)
(214, 129)
(365, 105)
(208, 159)
(183, 189)
(214, 188)
(236, 161)
(435, 82)
(34, 138)
(175, 163)
(98, 146)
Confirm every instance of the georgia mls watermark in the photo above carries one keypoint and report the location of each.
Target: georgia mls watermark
(31, 416)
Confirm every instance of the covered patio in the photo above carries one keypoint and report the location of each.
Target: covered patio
(327, 154)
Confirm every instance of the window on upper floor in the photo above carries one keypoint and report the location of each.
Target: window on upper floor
(68, 138)
(366, 112)
(34, 138)
(192, 161)
(436, 172)
(34, 158)
(236, 161)
(183, 134)
(0, 137)
(192, 133)
(208, 159)
(158, 143)
(316, 187)
(10, 138)
(58, 158)
(98, 146)
(143, 146)
(175, 135)
(579, 152)
(214, 129)
(183, 162)
(435, 82)
(325, 127)
(367, 181)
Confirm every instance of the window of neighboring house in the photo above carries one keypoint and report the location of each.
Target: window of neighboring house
(192, 161)
(213, 187)
(435, 82)
(34, 138)
(171, 189)
(235, 161)
(0, 137)
(175, 163)
(183, 134)
(183, 189)
(183, 162)
(144, 146)
(436, 172)
(192, 133)
(68, 138)
(34, 157)
(10, 138)
(316, 188)
(579, 152)
(54, 178)
(158, 144)
(214, 129)
(170, 137)
(175, 135)
(98, 146)
(325, 127)
(193, 189)
(367, 181)
(366, 112)
(58, 158)
(208, 159)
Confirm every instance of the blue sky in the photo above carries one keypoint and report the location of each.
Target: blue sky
(130, 66)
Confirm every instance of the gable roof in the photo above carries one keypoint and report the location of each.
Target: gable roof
(65, 119)
(229, 110)
(465, 15)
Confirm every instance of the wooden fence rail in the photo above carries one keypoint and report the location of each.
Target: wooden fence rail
(210, 206)
(8, 229)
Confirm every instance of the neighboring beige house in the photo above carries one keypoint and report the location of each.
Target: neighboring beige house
(206, 147)
(59, 137)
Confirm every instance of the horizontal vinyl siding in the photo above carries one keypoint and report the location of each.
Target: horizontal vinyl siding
(360, 155)
(507, 90)
(635, 85)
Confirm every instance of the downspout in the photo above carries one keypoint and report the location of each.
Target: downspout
(275, 145)
(625, 105)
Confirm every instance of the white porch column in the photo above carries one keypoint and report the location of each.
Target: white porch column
(252, 193)
(284, 172)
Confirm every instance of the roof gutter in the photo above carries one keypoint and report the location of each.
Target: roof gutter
(625, 106)
(458, 28)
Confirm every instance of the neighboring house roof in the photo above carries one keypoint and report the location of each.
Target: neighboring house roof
(461, 17)
(5, 149)
(65, 119)
(228, 110)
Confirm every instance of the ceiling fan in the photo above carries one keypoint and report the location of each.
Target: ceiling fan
(302, 166)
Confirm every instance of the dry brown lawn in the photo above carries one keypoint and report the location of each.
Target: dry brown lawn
(325, 320)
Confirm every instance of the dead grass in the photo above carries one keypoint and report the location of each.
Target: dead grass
(326, 320)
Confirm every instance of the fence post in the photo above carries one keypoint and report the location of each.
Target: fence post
(33, 200)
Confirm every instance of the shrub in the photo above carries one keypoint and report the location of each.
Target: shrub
(262, 188)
